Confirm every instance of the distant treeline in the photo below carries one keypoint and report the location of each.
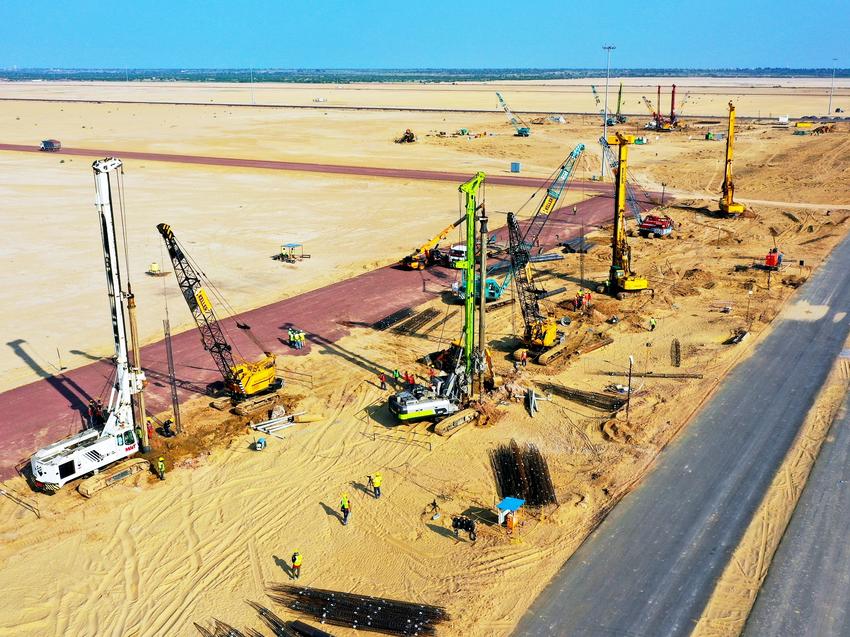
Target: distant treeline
(346, 76)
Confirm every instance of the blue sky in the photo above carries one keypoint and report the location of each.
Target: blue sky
(433, 33)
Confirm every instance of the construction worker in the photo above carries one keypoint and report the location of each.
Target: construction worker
(345, 507)
(396, 376)
(375, 482)
(524, 358)
(652, 323)
(302, 338)
(160, 468)
(290, 333)
(383, 379)
(296, 565)
(149, 425)
(587, 299)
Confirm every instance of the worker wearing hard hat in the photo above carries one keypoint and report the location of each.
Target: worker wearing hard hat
(160, 468)
(375, 482)
(296, 564)
(345, 507)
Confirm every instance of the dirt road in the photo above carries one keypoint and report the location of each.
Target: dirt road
(336, 169)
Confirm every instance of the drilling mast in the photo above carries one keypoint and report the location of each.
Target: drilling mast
(621, 279)
(727, 200)
(113, 437)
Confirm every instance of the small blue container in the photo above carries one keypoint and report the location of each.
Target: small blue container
(515, 166)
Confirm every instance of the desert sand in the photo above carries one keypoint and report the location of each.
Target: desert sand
(757, 97)
(150, 558)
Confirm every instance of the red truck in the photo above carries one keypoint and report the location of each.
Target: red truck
(655, 226)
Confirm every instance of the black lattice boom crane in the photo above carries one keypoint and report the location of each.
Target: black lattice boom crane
(243, 379)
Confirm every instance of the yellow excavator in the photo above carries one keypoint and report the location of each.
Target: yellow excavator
(727, 200)
(243, 379)
(428, 253)
(621, 280)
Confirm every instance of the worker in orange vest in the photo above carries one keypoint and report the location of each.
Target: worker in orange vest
(512, 521)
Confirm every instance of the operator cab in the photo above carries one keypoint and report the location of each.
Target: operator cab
(457, 253)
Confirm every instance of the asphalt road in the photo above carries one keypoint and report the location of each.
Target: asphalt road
(46, 410)
(650, 567)
(335, 169)
(807, 589)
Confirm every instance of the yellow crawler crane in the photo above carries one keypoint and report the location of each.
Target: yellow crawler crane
(243, 379)
(621, 280)
(727, 200)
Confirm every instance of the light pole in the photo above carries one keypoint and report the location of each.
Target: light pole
(608, 48)
(831, 87)
(663, 190)
(629, 390)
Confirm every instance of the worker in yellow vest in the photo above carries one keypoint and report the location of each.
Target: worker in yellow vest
(345, 507)
(375, 482)
(296, 564)
(160, 468)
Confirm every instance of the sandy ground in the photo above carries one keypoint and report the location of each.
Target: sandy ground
(231, 222)
(150, 558)
(757, 97)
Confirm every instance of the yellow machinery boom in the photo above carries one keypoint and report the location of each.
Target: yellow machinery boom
(424, 255)
(621, 279)
(727, 200)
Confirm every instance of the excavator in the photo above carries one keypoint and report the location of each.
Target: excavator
(449, 393)
(428, 253)
(621, 280)
(522, 129)
(727, 203)
(541, 332)
(244, 381)
(493, 288)
(112, 436)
